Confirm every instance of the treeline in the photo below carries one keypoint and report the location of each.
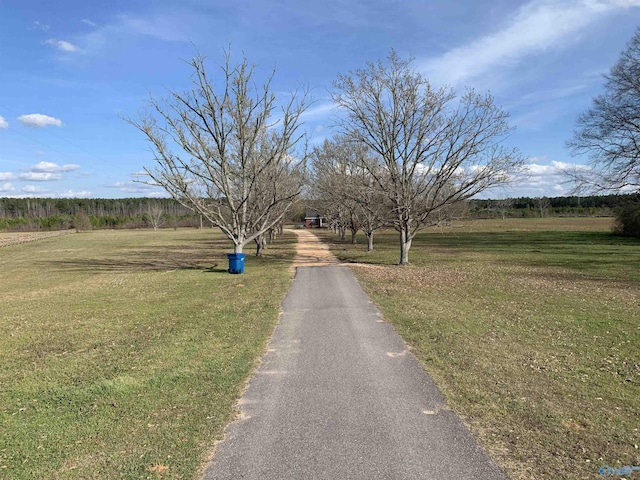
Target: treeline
(32, 214)
(596, 205)
(29, 214)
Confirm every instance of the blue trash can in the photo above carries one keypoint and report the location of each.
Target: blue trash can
(236, 262)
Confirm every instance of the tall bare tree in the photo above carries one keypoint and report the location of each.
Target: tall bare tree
(431, 151)
(227, 150)
(609, 132)
(154, 213)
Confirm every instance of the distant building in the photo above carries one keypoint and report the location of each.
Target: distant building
(314, 220)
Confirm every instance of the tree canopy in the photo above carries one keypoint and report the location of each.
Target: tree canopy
(430, 149)
(609, 131)
(227, 150)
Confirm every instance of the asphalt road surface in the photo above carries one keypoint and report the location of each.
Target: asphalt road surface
(337, 396)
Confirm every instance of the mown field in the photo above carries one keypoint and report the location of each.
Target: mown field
(122, 352)
(532, 330)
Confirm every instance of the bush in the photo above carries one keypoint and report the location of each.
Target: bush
(628, 218)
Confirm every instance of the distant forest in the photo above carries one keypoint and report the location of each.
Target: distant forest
(596, 205)
(28, 214)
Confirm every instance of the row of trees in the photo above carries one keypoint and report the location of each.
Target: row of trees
(97, 207)
(404, 154)
(331, 193)
(405, 150)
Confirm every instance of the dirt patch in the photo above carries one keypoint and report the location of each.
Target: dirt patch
(311, 252)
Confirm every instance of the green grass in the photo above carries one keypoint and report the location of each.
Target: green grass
(122, 352)
(531, 329)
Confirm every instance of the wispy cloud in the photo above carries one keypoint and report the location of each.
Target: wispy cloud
(3, 123)
(38, 120)
(538, 26)
(62, 45)
(139, 188)
(173, 27)
(319, 110)
(39, 26)
(4, 176)
(6, 187)
(89, 22)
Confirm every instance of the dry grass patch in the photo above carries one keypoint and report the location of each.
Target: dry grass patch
(123, 351)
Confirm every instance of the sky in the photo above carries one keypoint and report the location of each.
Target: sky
(72, 72)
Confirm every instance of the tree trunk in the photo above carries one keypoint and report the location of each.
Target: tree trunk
(354, 232)
(343, 232)
(405, 245)
(237, 247)
(261, 245)
(369, 241)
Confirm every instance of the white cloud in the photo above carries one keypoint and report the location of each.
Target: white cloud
(40, 176)
(538, 26)
(54, 167)
(46, 172)
(62, 45)
(3, 123)
(89, 22)
(37, 120)
(74, 194)
(6, 187)
(543, 178)
(560, 166)
(32, 189)
(7, 176)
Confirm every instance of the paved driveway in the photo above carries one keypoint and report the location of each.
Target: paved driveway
(338, 396)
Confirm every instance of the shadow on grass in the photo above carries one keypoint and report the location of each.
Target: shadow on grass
(208, 257)
(589, 252)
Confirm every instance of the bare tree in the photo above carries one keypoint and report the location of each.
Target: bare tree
(332, 165)
(609, 132)
(430, 151)
(349, 191)
(154, 214)
(239, 160)
(502, 206)
(542, 204)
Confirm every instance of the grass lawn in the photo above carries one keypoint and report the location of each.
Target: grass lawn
(122, 352)
(532, 330)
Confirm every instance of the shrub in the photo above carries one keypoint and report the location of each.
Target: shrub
(628, 218)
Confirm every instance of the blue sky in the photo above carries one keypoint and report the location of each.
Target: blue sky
(71, 70)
